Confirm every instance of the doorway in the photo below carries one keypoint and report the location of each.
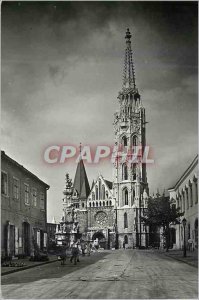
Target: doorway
(26, 238)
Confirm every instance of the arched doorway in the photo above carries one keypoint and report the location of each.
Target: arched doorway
(126, 240)
(26, 238)
(101, 239)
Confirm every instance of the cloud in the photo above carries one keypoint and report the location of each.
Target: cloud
(62, 70)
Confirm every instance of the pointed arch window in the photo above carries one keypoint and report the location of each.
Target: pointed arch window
(100, 203)
(191, 193)
(134, 171)
(125, 171)
(93, 196)
(126, 200)
(96, 192)
(93, 204)
(96, 204)
(135, 143)
(133, 195)
(106, 203)
(106, 194)
(125, 220)
(100, 188)
(187, 197)
(103, 203)
(183, 200)
(110, 202)
(103, 192)
(90, 204)
(196, 189)
(124, 141)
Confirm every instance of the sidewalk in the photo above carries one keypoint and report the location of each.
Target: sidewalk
(190, 259)
(27, 264)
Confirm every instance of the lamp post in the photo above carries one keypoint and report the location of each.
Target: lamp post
(184, 221)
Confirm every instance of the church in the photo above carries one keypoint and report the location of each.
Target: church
(111, 211)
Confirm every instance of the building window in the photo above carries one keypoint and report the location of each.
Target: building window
(103, 192)
(96, 192)
(187, 196)
(125, 220)
(183, 201)
(196, 190)
(134, 171)
(125, 172)
(124, 141)
(106, 203)
(180, 202)
(100, 189)
(16, 188)
(103, 203)
(126, 201)
(42, 205)
(93, 204)
(191, 194)
(135, 143)
(100, 203)
(177, 202)
(34, 197)
(90, 204)
(96, 204)
(4, 183)
(27, 195)
(110, 202)
(93, 196)
(133, 195)
(106, 194)
(83, 205)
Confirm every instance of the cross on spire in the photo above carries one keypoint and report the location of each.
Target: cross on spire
(128, 72)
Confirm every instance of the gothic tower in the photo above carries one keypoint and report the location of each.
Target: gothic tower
(130, 180)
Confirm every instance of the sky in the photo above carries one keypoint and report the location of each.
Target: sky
(62, 66)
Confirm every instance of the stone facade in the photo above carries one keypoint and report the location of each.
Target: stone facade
(23, 209)
(185, 195)
(111, 212)
(130, 186)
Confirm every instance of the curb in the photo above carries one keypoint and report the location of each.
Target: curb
(27, 267)
(179, 259)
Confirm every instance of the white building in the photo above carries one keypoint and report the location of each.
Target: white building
(185, 194)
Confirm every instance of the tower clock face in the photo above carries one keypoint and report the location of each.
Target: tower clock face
(101, 218)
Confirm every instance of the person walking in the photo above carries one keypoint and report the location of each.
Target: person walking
(89, 249)
(83, 248)
(124, 245)
(74, 253)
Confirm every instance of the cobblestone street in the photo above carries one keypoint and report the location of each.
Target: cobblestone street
(132, 274)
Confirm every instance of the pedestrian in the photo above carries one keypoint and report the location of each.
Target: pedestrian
(124, 245)
(190, 242)
(83, 248)
(89, 249)
(74, 253)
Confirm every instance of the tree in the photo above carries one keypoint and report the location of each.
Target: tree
(161, 211)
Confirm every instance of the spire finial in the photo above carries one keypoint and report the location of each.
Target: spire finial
(128, 72)
(80, 148)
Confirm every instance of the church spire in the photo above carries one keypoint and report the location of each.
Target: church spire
(81, 184)
(128, 72)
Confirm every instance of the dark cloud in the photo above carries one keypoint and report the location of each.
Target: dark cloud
(62, 70)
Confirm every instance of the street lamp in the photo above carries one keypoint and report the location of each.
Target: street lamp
(184, 221)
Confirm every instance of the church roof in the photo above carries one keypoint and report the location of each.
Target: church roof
(81, 184)
(109, 184)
